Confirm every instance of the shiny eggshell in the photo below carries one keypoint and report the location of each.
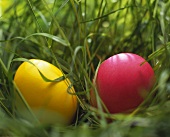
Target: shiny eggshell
(123, 81)
(50, 101)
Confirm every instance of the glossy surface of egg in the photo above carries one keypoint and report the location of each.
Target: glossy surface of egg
(50, 101)
(123, 81)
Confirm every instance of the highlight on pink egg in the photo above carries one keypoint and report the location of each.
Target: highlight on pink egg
(123, 81)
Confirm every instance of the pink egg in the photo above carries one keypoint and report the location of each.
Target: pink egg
(123, 81)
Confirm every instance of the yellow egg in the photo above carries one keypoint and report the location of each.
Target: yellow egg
(50, 101)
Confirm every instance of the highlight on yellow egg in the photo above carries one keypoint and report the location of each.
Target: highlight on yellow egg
(51, 102)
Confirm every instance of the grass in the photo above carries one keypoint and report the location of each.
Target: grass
(76, 36)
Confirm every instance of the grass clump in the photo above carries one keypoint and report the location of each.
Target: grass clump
(76, 36)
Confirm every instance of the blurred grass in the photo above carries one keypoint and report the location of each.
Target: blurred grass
(76, 36)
